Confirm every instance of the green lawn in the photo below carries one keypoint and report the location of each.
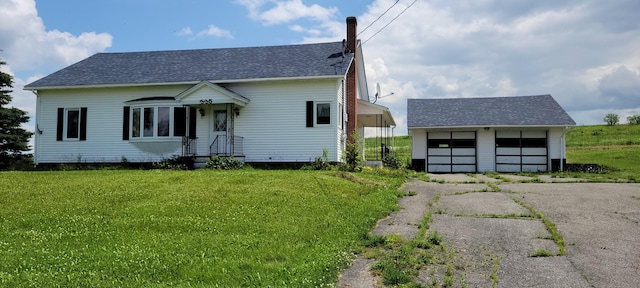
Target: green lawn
(129, 228)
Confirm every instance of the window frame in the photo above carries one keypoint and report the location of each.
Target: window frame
(145, 132)
(65, 131)
(317, 114)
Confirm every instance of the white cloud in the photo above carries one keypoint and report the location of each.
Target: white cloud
(286, 11)
(30, 50)
(28, 45)
(215, 32)
(320, 22)
(585, 58)
(186, 31)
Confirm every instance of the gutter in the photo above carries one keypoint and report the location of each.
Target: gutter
(123, 85)
(491, 126)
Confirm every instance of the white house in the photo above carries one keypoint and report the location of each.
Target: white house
(260, 104)
(503, 134)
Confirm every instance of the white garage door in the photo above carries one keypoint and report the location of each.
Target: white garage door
(521, 151)
(451, 152)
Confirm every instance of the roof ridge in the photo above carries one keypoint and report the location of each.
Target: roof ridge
(220, 48)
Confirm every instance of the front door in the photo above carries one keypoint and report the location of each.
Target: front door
(220, 145)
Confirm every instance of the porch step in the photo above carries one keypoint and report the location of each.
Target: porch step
(201, 161)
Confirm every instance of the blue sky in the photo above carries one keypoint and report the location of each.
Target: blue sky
(583, 52)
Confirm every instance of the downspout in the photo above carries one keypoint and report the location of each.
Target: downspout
(38, 132)
(563, 148)
(393, 138)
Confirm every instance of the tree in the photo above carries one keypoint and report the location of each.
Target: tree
(611, 119)
(634, 120)
(13, 139)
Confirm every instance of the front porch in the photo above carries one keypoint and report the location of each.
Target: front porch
(375, 125)
(214, 110)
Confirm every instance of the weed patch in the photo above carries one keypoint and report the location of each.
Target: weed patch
(541, 252)
(551, 227)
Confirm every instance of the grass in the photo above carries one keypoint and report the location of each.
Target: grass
(185, 228)
(603, 135)
(551, 227)
(402, 145)
(622, 159)
(617, 147)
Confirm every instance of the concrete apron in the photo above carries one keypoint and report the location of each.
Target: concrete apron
(480, 242)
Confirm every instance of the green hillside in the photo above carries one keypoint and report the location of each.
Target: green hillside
(603, 135)
(617, 147)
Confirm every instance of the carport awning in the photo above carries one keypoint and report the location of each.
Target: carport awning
(374, 115)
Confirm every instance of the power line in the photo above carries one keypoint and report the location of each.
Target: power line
(394, 19)
(374, 21)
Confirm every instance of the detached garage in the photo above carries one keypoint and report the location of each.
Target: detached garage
(502, 134)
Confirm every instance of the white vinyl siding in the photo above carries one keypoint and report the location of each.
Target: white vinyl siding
(273, 123)
(104, 126)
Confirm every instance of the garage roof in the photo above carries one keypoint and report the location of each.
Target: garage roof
(539, 110)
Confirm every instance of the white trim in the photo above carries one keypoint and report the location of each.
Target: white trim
(65, 123)
(233, 97)
(315, 113)
(155, 137)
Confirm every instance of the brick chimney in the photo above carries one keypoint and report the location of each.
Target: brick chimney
(352, 83)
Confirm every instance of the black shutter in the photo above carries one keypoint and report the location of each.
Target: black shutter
(60, 128)
(192, 123)
(83, 124)
(125, 123)
(179, 121)
(309, 113)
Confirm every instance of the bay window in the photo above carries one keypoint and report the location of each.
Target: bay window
(157, 122)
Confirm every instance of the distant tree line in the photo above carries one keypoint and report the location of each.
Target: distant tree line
(613, 119)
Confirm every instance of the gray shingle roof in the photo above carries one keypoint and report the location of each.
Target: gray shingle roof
(540, 110)
(306, 60)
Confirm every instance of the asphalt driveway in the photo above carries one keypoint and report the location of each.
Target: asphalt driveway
(493, 240)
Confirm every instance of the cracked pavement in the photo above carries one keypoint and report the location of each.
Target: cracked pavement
(600, 224)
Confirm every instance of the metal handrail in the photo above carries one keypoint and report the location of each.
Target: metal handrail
(235, 145)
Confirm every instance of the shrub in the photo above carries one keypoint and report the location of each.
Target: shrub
(174, 163)
(391, 161)
(320, 163)
(224, 163)
(352, 155)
